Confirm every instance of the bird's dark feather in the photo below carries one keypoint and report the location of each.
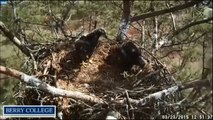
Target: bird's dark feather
(86, 45)
(126, 55)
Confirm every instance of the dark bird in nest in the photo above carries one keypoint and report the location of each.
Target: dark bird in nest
(86, 45)
(125, 56)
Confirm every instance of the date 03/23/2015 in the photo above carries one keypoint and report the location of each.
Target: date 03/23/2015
(204, 117)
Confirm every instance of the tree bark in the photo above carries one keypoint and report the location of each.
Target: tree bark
(125, 21)
(33, 81)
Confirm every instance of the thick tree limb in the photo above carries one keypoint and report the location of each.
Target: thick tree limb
(125, 21)
(33, 81)
(166, 92)
(14, 39)
(161, 12)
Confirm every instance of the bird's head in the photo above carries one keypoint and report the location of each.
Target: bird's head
(102, 32)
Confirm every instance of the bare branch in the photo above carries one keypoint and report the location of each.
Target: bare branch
(143, 34)
(35, 82)
(186, 41)
(202, 98)
(14, 9)
(161, 12)
(190, 25)
(34, 23)
(65, 13)
(14, 39)
(155, 46)
(173, 19)
(203, 58)
(166, 92)
(195, 84)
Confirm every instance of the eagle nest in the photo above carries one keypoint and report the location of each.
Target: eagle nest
(146, 93)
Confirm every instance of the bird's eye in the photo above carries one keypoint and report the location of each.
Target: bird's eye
(133, 50)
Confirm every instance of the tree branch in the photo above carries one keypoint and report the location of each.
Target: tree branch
(161, 12)
(166, 92)
(125, 21)
(14, 9)
(65, 13)
(14, 39)
(186, 41)
(173, 19)
(190, 25)
(33, 81)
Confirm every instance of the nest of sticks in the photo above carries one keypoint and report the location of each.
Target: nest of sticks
(138, 94)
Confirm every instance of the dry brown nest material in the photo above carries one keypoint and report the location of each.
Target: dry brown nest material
(95, 77)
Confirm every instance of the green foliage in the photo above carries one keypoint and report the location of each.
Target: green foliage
(188, 74)
(194, 54)
(6, 14)
(10, 57)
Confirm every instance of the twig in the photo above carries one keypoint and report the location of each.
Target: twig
(190, 25)
(38, 31)
(145, 77)
(168, 53)
(34, 23)
(161, 65)
(200, 110)
(130, 108)
(47, 67)
(143, 34)
(203, 59)
(66, 11)
(166, 92)
(173, 20)
(155, 46)
(14, 9)
(127, 112)
(201, 98)
(34, 62)
(90, 22)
